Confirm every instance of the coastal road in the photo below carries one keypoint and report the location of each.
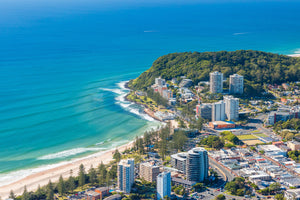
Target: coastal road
(227, 175)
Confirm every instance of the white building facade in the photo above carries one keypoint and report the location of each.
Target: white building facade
(218, 111)
(231, 108)
(163, 185)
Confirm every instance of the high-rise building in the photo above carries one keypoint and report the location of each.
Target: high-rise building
(125, 175)
(148, 171)
(163, 185)
(236, 84)
(231, 108)
(216, 82)
(218, 111)
(197, 164)
(204, 110)
(178, 161)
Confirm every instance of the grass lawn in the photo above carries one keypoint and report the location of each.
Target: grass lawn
(255, 131)
(261, 135)
(246, 137)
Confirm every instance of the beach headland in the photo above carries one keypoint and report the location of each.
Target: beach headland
(42, 178)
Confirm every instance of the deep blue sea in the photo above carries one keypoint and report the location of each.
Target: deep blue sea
(63, 65)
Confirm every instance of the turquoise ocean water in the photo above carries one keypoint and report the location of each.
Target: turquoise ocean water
(63, 65)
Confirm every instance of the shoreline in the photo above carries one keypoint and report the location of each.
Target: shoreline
(42, 178)
(294, 55)
(32, 181)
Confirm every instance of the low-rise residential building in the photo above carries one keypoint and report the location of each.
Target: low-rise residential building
(167, 94)
(92, 195)
(103, 191)
(272, 150)
(292, 194)
(185, 183)
(186, 83)
(159, 81)
(293, 145)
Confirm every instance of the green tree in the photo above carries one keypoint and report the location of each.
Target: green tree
(220, 197)
(12, 195)
(198, 187)
(199, 123)
(50, 191)
(102, 174)
(179, 140)
(39, 193)
(81, 175)
(71, 184)
(279, 197)
(61, 187)
(25, 195)
(274, 187)
(92, 175)
(117, 155)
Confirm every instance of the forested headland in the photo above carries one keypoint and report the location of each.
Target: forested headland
(257, 67)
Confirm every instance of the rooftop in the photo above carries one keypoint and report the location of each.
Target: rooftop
(179, 156)
(183, 181)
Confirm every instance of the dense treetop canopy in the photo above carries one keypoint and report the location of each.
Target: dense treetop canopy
(257, 67)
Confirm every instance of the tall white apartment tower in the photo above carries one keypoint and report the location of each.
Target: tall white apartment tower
(218, 111)
(236, 84)
(216, 82)
(163, 185)
(231, 108)
(125, 175)
(197, 164)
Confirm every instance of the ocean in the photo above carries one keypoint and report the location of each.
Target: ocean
(64, 64)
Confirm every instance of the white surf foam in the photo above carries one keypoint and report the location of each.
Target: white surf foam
(296, 53)
(67, 153)
(15, 176)
(122, 91)
(241, 33)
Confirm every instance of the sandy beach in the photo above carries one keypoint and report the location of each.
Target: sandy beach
(42, 178)
(295, 55)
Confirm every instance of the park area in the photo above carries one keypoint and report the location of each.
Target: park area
(247, 137)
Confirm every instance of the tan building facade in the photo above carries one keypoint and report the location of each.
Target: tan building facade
(148, 171)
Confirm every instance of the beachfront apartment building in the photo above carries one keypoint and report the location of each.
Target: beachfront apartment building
(216, 82)
(148, 171)
(231, 108)
(163, 185)
(218, 111)
(125, 175)
(236, 84)
(197, 164)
